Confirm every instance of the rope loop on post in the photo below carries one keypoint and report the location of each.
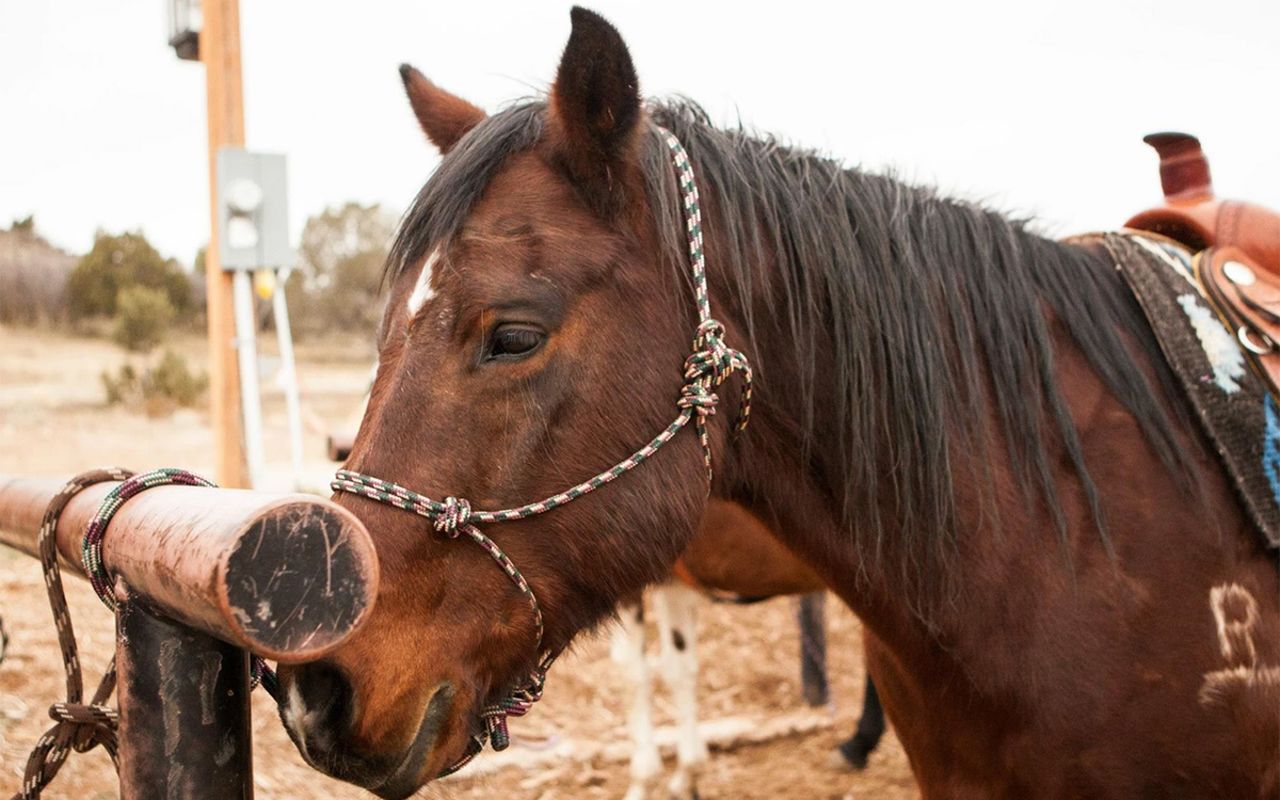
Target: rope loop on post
(81, 726)
(77, 726)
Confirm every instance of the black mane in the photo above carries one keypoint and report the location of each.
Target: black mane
(932, 308)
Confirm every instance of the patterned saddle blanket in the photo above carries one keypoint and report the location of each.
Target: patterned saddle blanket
(1230, 399)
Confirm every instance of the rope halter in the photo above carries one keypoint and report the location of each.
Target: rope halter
(709, 365)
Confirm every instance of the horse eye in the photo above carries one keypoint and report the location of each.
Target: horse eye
(513, 341)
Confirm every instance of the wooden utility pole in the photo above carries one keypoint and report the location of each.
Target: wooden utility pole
(220, 52)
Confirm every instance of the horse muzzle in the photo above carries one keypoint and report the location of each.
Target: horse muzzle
(318, 712)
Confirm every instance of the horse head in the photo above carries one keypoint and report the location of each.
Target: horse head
(534, 336)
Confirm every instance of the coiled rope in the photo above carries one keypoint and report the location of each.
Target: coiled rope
(78, 725)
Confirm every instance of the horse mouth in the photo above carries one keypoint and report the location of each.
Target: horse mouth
(404, 779)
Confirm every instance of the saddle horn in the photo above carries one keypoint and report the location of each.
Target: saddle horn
(1184, 170)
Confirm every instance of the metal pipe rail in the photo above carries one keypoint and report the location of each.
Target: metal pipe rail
(286, 576)
(202, 577)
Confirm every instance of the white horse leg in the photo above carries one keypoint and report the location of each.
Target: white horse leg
(676, 606)
(628, 649)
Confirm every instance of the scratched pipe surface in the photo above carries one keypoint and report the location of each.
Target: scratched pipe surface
(287, 576)
(184, 710)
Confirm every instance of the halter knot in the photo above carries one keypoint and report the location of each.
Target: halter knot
(697, 396)
(453, 517)
(712, 361)
(516, 704)
(709, 365)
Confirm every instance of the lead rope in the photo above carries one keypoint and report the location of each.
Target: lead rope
(711, 363)
(81, 726)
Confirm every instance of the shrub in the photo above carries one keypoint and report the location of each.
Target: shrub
(122, 386)
(173, 379)
(143, 316)
(339, 280)
(159, 390)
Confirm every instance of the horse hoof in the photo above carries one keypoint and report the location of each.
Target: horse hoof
(847, 759)
(682, 790)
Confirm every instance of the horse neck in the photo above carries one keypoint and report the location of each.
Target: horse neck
(797, 482)
(794, 486)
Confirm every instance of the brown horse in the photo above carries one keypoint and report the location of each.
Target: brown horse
(966, 429)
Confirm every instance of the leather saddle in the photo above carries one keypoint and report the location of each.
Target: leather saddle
(1237, 248)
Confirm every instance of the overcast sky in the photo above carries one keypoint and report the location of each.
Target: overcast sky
(1035, 107)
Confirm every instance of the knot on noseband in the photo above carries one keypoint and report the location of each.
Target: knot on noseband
(453, 517)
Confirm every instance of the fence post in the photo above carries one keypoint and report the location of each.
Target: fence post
(184, 710)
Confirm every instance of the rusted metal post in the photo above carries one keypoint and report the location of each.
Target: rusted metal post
(184, 709)
(286, 576)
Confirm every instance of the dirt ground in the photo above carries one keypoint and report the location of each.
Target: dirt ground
(53, 421)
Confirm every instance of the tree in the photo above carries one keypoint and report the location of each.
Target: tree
(33, 276)
(117, 262)
(341, 256)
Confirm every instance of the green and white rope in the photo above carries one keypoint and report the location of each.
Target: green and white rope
(710, 364)
(91, 548)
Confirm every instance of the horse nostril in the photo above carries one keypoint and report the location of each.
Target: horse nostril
(319, 707)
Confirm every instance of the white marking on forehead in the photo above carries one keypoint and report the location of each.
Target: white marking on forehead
(422, 291)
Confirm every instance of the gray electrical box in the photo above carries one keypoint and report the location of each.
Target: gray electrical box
(253, 211)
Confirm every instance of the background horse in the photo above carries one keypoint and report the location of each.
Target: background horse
(965, 429)
(734, 558)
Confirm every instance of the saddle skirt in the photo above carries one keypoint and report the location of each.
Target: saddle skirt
(1233, 403)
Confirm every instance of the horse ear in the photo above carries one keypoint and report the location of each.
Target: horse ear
(595, 112)
(444, 117)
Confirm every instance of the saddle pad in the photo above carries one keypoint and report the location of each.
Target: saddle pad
(1232, 403)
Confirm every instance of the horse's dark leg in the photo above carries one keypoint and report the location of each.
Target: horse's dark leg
(870, 729)
(811, 615)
